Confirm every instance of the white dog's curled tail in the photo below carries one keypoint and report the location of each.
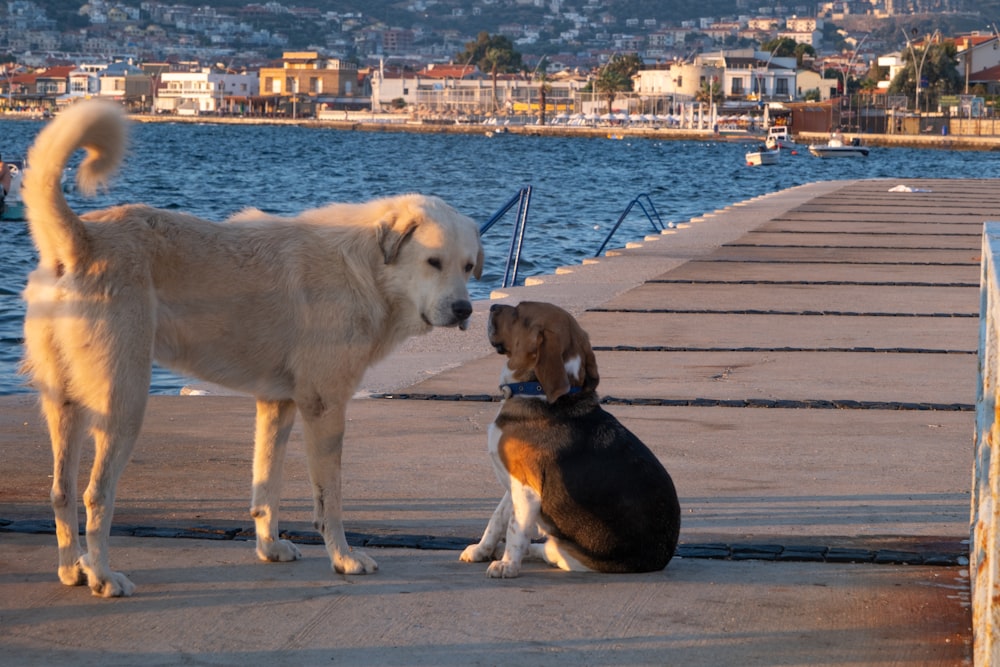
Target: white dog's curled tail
(98, 127)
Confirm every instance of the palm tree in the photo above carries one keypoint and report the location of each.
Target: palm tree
(616, 76)
(494, 54)
(710, 92)
(541, 76)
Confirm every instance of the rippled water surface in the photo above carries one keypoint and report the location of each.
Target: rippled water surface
(580, 187)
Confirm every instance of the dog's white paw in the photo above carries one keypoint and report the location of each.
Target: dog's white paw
(117, 585)
(476, 553)
(104, 583)
(354, 562)
(72, 575)
(503, 569)
(111, 585)
(277, 551)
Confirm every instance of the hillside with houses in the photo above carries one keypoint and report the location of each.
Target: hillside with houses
(859, 63)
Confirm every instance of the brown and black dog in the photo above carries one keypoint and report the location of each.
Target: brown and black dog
(574, 474)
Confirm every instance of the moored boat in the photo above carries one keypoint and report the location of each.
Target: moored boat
(778, 137)
(762, 156)
(11, 205)
(836, 147)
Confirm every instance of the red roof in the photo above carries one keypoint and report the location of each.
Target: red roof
(988, 75)
(60, 72)
(449, 71)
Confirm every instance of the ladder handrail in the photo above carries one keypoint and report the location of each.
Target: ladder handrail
(657, 224)
(523, 200)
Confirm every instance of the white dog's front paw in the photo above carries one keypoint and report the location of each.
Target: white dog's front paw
(277, 551)
(476, 553)
(105, 583)
(73, 575)
(116, 585)
(503, 569)
(354, 562)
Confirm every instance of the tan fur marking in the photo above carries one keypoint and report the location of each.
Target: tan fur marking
(521, 461)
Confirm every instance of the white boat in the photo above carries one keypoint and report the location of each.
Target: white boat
(762, 156)
(837, 148)
(778, 137)
(11, 205)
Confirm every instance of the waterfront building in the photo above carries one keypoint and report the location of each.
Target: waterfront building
(976, 54)
(741, 74)
(307, 82)
(463, 90)
(205, 90)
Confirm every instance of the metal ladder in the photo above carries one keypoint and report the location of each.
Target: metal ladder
(657, 223)
(523, 200)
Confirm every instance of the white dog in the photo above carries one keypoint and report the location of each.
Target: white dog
(290, 310)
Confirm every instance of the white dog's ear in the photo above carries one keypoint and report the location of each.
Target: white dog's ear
(392, 233)
(477, 270)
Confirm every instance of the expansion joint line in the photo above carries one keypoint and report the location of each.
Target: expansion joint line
(820, 283)
(944, 553)
(835, 247)
(765, 311)
(793, 404)
(769, 349)
(838, 262)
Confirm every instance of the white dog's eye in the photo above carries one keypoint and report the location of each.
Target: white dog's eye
(435, 262)
(468, 267)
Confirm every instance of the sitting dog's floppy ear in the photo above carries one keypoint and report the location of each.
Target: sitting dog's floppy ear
(392, 233)
(549, 367)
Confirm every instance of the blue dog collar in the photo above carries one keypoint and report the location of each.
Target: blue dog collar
(527, 389)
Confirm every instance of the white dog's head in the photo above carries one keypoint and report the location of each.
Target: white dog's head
(438, 250)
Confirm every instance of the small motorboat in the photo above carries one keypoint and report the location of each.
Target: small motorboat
(11, 204)
(778, 137)
(763, 155)
(837, 148)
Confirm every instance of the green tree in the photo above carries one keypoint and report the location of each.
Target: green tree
(782, 47)
(615, 76)
(801, 51)
(939, 70)
(710, 91)
(494, 54)
(786, 47)
(542, 77)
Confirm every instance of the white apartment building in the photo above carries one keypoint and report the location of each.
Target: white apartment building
(740, 74)
(203, 91)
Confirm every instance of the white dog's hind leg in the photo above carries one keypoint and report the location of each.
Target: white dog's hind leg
(274, 424)
(67, 429)
(527, 504)
(324, 434)
(495, 530)
(116, 426)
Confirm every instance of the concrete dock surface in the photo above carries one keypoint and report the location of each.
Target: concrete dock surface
(804, 364)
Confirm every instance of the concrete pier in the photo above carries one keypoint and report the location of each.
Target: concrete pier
(804, 364)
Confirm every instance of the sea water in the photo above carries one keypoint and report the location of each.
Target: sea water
(580, 187)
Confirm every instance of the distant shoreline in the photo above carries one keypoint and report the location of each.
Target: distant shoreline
(354, 123)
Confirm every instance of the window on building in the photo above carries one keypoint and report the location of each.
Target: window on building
(781, 87)
(737, 87)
